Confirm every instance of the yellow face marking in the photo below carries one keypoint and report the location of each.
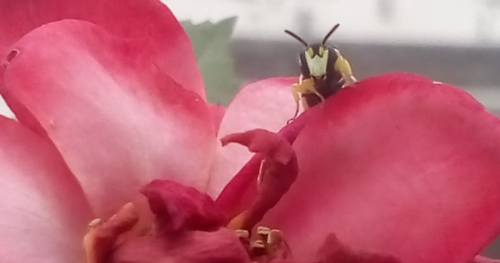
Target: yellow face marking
(321, 50)
(317, 64)
(310, 52)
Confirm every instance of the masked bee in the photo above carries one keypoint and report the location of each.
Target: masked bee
(323, 72)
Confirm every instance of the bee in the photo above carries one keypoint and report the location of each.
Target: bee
(323, 72)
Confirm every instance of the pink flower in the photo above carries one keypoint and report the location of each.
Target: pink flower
(398, 168)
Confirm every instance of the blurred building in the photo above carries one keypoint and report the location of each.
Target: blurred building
(426, 22)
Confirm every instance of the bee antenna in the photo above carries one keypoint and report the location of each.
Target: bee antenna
(330, 33)
(296, 37)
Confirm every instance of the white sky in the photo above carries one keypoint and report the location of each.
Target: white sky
(4, 109)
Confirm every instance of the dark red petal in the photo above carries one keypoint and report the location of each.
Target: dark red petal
(166, 43)
(221, 246)
(44, 213)
(481, 259)
(397, 164)
(265, 104)
(181, 208)
(118, 121)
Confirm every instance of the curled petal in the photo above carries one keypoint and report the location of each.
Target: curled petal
(278, 171)
(397, 164)
(116, 118)
(167, 45)
(266, 104)
(242, 189)
(272, 146)
(44, 213)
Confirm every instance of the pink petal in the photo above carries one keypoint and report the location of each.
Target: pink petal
(118, 121)
(266, 104)
(44, 212)
(218, 112)
(399, 165)
(167, 45)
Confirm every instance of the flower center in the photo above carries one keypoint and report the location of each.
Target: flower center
(189, 227)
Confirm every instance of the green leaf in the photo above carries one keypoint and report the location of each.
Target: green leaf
(211, 43)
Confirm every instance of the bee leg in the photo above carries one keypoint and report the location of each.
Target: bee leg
(305, 86)
(296, 96)
(308, 85)
(304, 104)
(343, 66)
(350, 80)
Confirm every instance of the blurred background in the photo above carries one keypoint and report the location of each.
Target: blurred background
(452, 41)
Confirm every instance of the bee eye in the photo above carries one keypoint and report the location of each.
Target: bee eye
(310, 52)
(321, 50)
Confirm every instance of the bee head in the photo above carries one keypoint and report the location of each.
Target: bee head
(314, 59)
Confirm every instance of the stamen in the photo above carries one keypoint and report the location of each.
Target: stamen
(257, 249)
(267, 245)
(242, 234)
(94, 223)
(277, 245)
(275, 237)
(244, 237)
(263, 233)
